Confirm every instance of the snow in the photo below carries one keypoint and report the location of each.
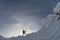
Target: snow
(57, 8)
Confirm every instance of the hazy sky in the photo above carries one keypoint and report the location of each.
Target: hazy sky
(18, 14)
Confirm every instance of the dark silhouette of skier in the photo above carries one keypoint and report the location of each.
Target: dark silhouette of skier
(24, 32)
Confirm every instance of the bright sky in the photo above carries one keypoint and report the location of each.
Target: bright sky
(15, 15)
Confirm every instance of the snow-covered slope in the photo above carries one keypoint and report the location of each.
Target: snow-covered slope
(50, 31)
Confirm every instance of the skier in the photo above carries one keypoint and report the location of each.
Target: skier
(24, 32)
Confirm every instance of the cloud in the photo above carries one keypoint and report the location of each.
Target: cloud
(45, 22)
(31, 25)
(21, 20)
